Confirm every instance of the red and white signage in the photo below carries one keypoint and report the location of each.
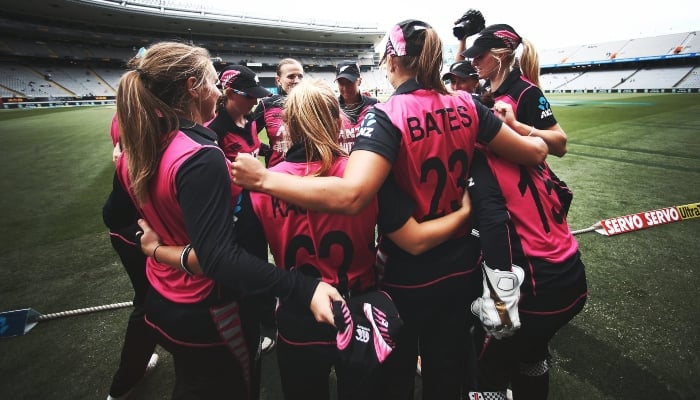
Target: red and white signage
(647, 219)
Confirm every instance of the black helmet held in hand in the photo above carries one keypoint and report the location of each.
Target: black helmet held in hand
(470, 23)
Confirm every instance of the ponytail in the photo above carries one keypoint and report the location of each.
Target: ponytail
(151, 97)
(428, 65)
(141, 132)
(530, 63)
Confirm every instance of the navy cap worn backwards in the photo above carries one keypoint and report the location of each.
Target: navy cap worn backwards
(242, 78)
(406, 38)
(499, 36)
(461, 69)
(348, 70)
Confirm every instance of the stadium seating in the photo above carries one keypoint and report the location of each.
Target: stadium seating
(653, 46)
(657, 78)
(692, 80)
(599, 51)
(594, 80)
(77, 63)
(554, 81)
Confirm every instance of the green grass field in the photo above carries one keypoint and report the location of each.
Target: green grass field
(637, 338)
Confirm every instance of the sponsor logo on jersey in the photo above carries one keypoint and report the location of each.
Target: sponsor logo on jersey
(362, 334)
(367, 125)
(545, 108)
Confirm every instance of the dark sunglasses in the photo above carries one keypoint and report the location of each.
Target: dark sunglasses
(457, 80)
(242, 93)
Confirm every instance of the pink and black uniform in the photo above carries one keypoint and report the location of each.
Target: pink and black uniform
(114, 130)
(352, 120)
(120, 216)
(520, 213)
(196, 315)
(335, 248)
(429, 138)
(302, 239)
(268, 115)
(234, 139)
(528, 102)
(354, 113)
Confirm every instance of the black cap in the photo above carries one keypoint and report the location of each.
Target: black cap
(348, 70)
(499, 36)
(242, 78)
(368, 327)
(461, 69)
(406, 38)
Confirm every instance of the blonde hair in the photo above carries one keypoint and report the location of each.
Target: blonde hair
(428, 65)
(312, 117)
(528, 62)
(151, 97)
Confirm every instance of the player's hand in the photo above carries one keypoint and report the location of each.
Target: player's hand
(149, 239)
(466, 203)
(497, 308)
(248, 172)
(116, 152)
(265, 150)
(322, 303)
(470, 23)
(504, 112)
(474, 16)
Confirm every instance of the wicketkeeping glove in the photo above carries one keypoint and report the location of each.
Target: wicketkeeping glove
(470, 23)
(497, 308)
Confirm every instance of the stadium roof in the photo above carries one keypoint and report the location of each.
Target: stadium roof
(183, 19)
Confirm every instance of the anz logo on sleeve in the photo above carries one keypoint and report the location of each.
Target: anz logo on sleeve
(367, 126)
(544, 107)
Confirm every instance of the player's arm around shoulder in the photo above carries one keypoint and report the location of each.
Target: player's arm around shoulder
(526, 150)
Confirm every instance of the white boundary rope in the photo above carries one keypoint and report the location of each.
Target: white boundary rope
(592, 228)
(87, 310)
(46, 317)
(681, 213)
